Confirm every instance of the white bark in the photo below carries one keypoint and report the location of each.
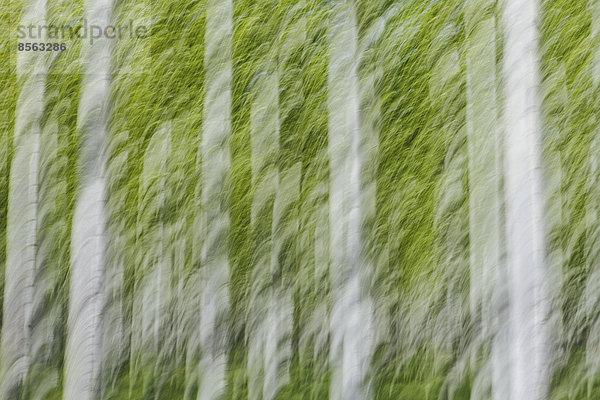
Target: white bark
(525, 238)
(350, 323)
(216, 162)
(88, 240)
(22, 214)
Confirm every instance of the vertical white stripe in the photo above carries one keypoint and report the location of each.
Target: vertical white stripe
(525, 237)
(22, 213)
(350, 323)
(88, 238)
(216, 162)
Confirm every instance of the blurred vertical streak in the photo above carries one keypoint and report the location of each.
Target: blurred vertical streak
(88, 242)
(271, 316)
(302, 223)
(215, 156)
(22, 216)
(370, 73)
(275, 225)
(592, 292)
(264, 140)
(280, 307)
(285, 219)
(595, 9)
(8, 86)
(156, 268)
(350, 327)
(525, 235)
(487, 272)
(446, 85)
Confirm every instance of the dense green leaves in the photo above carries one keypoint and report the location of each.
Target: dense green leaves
(412, 73)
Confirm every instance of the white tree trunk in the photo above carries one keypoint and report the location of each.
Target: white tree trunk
(216, 162)
(88, 238)
(525, 237)
(22, 216)
(350, 323)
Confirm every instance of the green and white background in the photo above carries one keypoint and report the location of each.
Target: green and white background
(302, 199)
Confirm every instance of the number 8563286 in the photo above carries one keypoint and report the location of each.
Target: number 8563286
(42, 47)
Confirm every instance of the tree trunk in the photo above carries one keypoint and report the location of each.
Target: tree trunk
(350, 320)
(215, 221)
(525, 236)
(88, 238)
(22, 215)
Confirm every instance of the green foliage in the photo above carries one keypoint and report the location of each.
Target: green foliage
(413, 97)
